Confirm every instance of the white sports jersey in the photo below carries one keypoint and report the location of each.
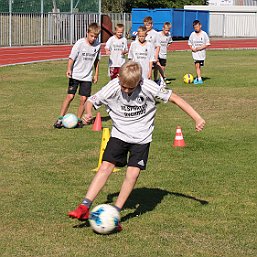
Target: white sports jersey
(197, 40)
(116, 46)
(143, 54)
(132, 116)
(153, 37)
(84, 56)
(164, 42)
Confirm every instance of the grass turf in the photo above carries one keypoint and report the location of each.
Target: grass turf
(196, 201)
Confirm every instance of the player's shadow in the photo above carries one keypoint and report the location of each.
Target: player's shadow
(170, 79)
(205, 78)
(144, 200)
(105, 118)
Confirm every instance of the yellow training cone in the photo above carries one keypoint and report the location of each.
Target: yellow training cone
(105, 139)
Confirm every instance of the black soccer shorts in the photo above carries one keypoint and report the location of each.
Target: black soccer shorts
(84, 87)
(121, 153)
(163, 62)
(200, 61)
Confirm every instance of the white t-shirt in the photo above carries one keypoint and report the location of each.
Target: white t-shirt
(84, 56)
(143, 54)
(197, 40)
(164, 42)
(116, 46)
(132, 116)
(152, 36)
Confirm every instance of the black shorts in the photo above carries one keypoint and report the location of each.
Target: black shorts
(84, 87)
(116, 152)
(200, 61)
(163, 62)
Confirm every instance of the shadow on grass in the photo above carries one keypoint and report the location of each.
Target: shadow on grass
(105, 118)
(205, 78)
(144, 200)
(82, 225)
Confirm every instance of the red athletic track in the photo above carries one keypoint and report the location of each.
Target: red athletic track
(21, 55)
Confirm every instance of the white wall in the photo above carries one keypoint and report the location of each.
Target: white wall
(232, 21)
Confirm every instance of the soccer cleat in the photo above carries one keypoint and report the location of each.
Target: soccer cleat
(58, 124)
(81, 213)
(198, 81)
(167, 81)
(80, 124)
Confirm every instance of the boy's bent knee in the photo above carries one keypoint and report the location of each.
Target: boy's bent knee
(70, 97)
(106, 168)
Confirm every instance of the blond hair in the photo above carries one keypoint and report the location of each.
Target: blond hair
(119, 26)
(130, 74)
(141, 29)
(94, 28)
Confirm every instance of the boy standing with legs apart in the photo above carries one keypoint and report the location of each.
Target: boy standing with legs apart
(131, 102)
(142, 52)
(84, 56)
(198, 42)
(116, 47)
(165, 41)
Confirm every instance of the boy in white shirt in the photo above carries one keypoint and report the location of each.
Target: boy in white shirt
(142, 52)
(152, 35)
(85, 55)
(116, 47)
(131, 102)
(198, 42)
(165, 40)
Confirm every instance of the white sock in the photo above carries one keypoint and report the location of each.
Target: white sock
(199, 78)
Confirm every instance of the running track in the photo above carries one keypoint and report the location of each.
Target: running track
(22, 55)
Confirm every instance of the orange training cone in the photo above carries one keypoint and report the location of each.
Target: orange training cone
(179, 140)
(97, 126)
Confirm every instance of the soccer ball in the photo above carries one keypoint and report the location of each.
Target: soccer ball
(188, 78)
(69, 120)
(104, 219)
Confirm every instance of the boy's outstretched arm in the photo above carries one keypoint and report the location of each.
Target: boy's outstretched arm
(187, 108)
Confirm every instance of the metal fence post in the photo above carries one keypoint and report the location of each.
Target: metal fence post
(10, 23)
(100, 17)
(71, 22)
(224, 25)
(41, 22)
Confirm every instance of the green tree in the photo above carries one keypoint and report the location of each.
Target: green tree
(129, 4)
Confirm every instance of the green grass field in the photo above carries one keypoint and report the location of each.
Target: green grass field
(197, 201)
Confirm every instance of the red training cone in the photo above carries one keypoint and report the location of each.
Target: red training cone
(179, 140)
(97, 126)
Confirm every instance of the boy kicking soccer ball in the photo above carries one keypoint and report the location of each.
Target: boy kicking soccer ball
(131, 103)
(198, 42)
